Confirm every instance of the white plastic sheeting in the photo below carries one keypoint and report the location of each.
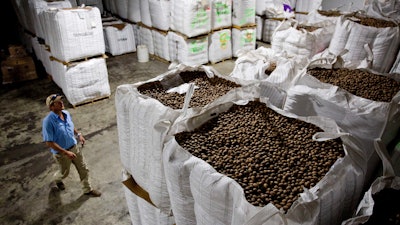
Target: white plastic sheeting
(191, 52)
(160, 11)
(243, 39)
(220, 46)
(119, 39)
(191, 18)
(83, 81)
(221, 14)
(161, 47)
(243, 12)
(75, 33)
(201, 195)
(377, 46)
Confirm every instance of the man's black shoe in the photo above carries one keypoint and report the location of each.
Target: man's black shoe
(60, 186)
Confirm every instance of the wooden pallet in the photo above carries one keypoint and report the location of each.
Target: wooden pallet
(91, 101)
(69, 63)
(158, 58)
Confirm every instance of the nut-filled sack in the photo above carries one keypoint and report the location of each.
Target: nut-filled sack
(146, 110)
(245, 161)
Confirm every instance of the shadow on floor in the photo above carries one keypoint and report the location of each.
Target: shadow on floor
(56, 211)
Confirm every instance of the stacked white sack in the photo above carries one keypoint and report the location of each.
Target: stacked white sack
(269, 28)
(383, 9)
(143, 123)
(146, 38)
(111, 5)
(119, 39)
(136, 33)
(294, 40)
(37, 7)
(305, 6)
(243, 12)
(76, 33)
(144, 213)
(358, 44)
(122, 8)
(83, 81)
(92, 3)
(201, 195)
(243, 39)
(145, 16)
(191, 52)
(221, 14)
(134, 11)
(220, 46)
(160, 11)
(259, 30)
(160, 42)
(396, 65)
(191, 18)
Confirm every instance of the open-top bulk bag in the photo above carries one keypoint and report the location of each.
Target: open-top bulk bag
(368, 209)
(377, 44)
(143, 122)
(201, 195)
(396, 65)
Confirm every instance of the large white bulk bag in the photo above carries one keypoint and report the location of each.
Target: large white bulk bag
(76, 33)
(146, 38)
(259, 31)
(122, 8)
(134, 11)
(160, 42)
(220, 46)
(243, 12)
(119, 39)
(37, 7)
(145, 15)
(160, 13)
(188, 51)
(191, 18)
(306, 6)
(377, 46)
(243, 39)
(269, 28)
(221, 14)
(84, 81)
(201, 195)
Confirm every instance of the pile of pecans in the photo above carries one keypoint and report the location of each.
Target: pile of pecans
(208, 90)
(359, 82)
(272, 157)
(374, 22)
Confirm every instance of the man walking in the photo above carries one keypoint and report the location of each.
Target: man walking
(59, 134)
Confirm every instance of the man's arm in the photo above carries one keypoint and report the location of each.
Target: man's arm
(62, 151)
(81, 139)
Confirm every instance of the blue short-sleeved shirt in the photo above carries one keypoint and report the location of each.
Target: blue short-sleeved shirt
(60, 131)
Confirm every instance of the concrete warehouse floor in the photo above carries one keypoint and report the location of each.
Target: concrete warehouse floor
(26, 164)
